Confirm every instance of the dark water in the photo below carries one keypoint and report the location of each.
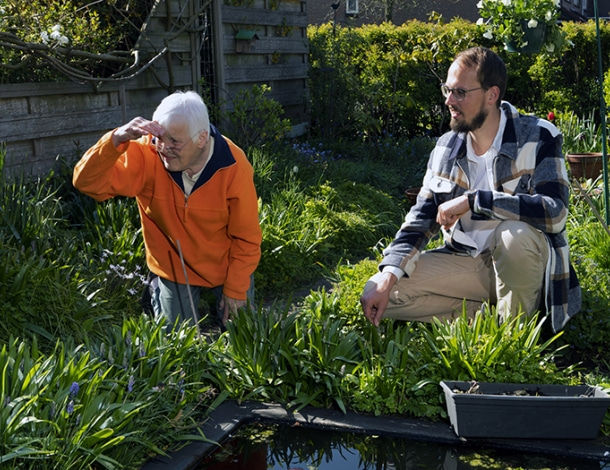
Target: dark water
(280, 447)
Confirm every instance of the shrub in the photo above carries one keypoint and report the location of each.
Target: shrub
(255, 119)
(43, 39)
(381, 80)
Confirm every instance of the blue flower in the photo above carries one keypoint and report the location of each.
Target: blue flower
(130, 384)
(74, 388)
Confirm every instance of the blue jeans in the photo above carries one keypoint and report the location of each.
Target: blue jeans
(172, 302)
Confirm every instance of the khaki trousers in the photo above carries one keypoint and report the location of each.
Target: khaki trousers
(510, 275)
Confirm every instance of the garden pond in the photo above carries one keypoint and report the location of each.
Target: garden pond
(261, 446)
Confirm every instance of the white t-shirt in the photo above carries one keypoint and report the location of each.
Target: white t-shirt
(478, 232)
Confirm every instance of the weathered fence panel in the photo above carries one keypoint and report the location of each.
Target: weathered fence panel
(41, 122)
(276, 55)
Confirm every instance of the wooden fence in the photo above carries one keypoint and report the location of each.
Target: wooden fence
(41, 122)
(267, 43)
(44, 122)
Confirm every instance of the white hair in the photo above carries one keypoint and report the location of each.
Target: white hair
(187, 107)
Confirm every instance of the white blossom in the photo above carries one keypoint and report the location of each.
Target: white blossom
(532, 23)
(44, 37)
(488, 34)
(57, 36)
(480, 21)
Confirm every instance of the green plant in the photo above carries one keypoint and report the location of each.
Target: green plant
(485, 349)
(255, 120)
(394, 377)
(47, 40)
(287, 357)
(102, 405)
(589, 332)
(283, 29)
(290, 241)
(580, 134)
(505, 20)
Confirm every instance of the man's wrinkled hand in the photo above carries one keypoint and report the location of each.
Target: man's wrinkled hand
(229, 305)
(135, 129)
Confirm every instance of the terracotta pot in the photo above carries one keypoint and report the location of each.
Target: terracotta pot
(412, 194)
(585, 165)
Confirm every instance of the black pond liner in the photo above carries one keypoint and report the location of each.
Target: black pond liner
(227, 418)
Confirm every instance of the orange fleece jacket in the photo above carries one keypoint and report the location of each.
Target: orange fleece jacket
(216, 226)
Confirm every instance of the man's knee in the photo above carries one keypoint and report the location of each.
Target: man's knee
(520, 254)
(516, 242)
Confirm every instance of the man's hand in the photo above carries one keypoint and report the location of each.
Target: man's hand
(376, 296)
(135, 129)
(449, 212)
(229, 306)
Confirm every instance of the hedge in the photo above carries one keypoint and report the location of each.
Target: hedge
(380, 80)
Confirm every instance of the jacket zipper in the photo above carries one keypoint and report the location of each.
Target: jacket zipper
(186, 206)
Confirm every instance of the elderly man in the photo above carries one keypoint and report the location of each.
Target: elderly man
(197, 202)
(496, 186)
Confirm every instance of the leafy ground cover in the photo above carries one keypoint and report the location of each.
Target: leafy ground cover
(88, 381)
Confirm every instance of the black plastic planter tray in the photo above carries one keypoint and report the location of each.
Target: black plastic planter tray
(501, 410)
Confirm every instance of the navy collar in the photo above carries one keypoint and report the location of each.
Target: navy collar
(221, 158)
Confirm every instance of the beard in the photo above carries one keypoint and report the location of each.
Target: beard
(475, 123)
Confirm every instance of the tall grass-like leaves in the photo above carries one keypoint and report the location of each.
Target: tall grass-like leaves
(102, 406)
(487, 349)
(259, 344)
(290, 241)
(30, 213)
(265, 172)
(46, 413)
(290, 357)
(330, 350)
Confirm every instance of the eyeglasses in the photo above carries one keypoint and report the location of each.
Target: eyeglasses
(458, 93)
(170, 143)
